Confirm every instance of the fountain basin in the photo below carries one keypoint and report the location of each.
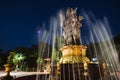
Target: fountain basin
(74, 71)
(97, 71)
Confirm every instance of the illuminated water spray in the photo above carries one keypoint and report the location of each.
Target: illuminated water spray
(64, 34)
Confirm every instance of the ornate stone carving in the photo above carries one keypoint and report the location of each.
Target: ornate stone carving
(71, 27)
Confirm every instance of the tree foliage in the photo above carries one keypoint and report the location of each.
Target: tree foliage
(18, 57)
(40, 60)
(10, 58)
(55, 56)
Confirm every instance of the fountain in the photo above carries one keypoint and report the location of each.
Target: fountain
(73, 60)
(74, 63)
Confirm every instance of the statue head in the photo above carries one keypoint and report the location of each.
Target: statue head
(70, 12)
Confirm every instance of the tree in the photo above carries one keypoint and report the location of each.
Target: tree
(44, 50)
(55, 56)
(18, 60)
(40, 60)
(10, 58)
(40, 63)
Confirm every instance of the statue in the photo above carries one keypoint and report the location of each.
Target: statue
(74, 59)
(71, 27)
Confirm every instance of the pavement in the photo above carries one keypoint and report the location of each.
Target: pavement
(17, 74)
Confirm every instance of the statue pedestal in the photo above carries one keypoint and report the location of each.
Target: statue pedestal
(72, 63)
(74, 71)
(77, 71)
(97, 71)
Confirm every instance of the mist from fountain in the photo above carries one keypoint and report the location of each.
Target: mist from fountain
(49, 36)
(100, 33)
(97, 32)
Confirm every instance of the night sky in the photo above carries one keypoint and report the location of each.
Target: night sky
(19, 19)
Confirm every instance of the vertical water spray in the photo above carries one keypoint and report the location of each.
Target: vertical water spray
(51, 37)
(73, 60)
(103, 45)
(74, 65)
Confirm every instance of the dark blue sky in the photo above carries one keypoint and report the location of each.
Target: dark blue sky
(19, 18)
